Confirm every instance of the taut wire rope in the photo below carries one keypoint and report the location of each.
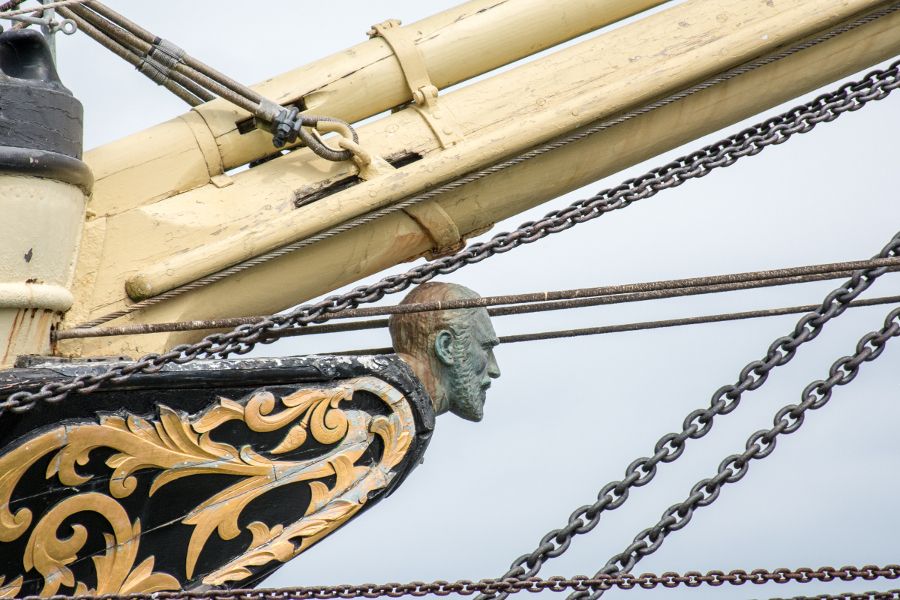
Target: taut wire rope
(516, 304)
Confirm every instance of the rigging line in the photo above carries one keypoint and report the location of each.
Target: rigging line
(10, 5)
(178, 84)
(496, 168)
(717, 318)
(123, 22)
(199, 66)
(532, 302)
(176, 70)
(803, 274)
(640, 326)
(25, 11)
(123, 36)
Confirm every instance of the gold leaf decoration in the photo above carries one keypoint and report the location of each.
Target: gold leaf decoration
(12, 467)
(174, 445)
(50, 555)
(11, 589)
(221, 511)
(332, 507)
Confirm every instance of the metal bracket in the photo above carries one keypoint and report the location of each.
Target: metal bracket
(424, 93)
(49, 25)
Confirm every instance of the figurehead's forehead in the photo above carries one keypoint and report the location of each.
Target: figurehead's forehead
(436, 291)
(482, 327)
(412, 332)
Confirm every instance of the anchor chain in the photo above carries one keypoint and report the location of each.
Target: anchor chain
(759, 445)
(699, 422)
(876, 85)
(624, 581)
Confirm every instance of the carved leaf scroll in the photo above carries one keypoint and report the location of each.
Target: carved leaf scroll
(11, 589)
(49, 555)
(175, 446)
(331, 507)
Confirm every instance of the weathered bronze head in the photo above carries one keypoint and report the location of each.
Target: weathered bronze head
(451, 351)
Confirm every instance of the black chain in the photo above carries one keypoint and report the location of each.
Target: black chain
(622, 581)
(759, 445)
(699, 422)
(876, 85)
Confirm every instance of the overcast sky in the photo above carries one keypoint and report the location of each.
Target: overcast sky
(568, 416)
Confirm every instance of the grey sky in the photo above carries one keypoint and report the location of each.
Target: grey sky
(567, 416)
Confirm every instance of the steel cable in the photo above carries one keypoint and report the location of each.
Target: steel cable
(25, 11)
(163, 62)
(517, 304)
(10, 5)
(150, 39)
(175, 69)
(176, 83)
(601, 330)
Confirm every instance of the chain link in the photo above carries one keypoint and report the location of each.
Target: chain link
(887, 595)
(759, 445)
(699, 422)
(622, 581)
(849, 97)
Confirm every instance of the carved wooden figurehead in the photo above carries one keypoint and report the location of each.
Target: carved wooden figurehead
(451, 351)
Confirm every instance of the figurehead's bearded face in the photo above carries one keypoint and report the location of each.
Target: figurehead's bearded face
(451, 351)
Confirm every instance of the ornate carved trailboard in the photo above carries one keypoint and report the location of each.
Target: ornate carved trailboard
(213, 473)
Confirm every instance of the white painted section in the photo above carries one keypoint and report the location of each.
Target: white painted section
(40, 227)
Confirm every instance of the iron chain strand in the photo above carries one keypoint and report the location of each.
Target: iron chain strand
(699, 422)
(849, 97)
(623, 581)
(759, 445)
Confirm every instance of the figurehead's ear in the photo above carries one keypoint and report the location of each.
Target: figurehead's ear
(443, 347)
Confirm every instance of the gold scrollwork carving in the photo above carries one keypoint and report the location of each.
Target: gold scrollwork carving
(11, 589)
(180, 446)
(49, 555)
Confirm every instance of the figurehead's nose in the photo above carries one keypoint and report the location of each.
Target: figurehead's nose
(493, 369)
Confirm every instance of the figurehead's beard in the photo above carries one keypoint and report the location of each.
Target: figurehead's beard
(466, 395)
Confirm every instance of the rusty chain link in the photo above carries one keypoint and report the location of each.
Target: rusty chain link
(759, 445)
(887, 595)
(699, 422)
(876, 85)
(622, 581)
